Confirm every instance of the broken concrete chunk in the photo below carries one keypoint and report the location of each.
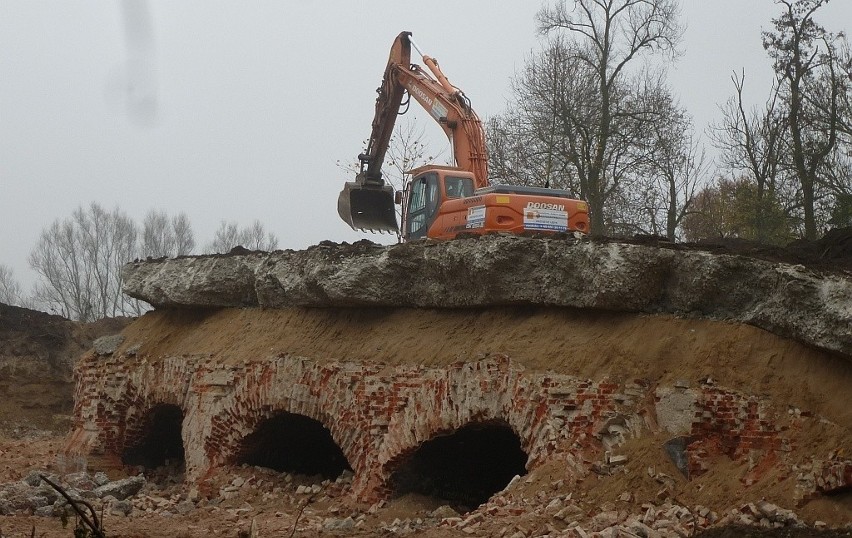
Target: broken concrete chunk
(339, 524)
(121, 508)
(80, 480)
(676, 450)
(676, 409)
(444, 511)
(33, 478)
(107, 345)
(121, 489)
(100, 478)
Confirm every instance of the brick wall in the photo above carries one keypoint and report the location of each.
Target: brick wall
(737, 425)
(379, 414)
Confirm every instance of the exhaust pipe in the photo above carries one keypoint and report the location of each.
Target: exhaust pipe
(368, 207)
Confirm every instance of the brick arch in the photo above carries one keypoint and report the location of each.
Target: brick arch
(464, 466)
(492, 389)
(299, 390)
(128, 415)
(229, 429)
(293, 443)
(391, 464)
(450, 403)
(136, 436)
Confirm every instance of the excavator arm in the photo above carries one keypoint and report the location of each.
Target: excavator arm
(368, 203)
(390, 97)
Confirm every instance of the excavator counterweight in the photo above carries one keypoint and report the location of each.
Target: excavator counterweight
(367, 207)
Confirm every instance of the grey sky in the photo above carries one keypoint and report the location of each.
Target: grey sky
(256, 101)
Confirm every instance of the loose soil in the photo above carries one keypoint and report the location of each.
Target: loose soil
(588, 344)
(832, 252)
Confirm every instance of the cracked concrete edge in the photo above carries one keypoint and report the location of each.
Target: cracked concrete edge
(788, 300)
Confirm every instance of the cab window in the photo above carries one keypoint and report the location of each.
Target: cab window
(458, 187)
(423, 205)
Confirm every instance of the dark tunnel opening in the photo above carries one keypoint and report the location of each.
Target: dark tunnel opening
(293, 443)
(464, 468)
(160, 442)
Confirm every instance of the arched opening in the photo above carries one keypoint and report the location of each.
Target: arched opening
(464, 468)
(292, 443)
(159, 442)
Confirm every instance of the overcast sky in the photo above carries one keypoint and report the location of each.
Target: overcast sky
(240, 110)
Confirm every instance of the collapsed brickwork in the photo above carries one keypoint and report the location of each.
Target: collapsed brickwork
(380, 414)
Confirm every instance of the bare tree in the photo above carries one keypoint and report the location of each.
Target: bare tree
(536, 140)
(184, 238)
(408, 148)
(10, 289)
(838, 174)
(677, 165)
(79, 261)
(253, 237)
(806, 61)
(606, 36)
(753, 143)
(844, 57)
(653, 166)
(513, 150)
(549, 136)
(164, 236)
(837, 181)
(157, 240)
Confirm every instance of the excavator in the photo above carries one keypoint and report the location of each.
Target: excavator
(442, 202)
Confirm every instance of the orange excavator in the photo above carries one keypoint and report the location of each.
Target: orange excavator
(441, 202)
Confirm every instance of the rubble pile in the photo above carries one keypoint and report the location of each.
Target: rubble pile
(32, 495)
(561, 516)
(246, 497)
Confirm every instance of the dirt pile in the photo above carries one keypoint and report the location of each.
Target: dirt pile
(37, 353)
(832, 252)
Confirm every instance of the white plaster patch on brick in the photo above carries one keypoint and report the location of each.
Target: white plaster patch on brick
(676, 408)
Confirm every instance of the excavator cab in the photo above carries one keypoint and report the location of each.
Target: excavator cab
(428, 189)
(424, 197)
(458, 187)
(365, 206)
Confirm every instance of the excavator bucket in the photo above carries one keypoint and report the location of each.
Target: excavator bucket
(367, 207)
